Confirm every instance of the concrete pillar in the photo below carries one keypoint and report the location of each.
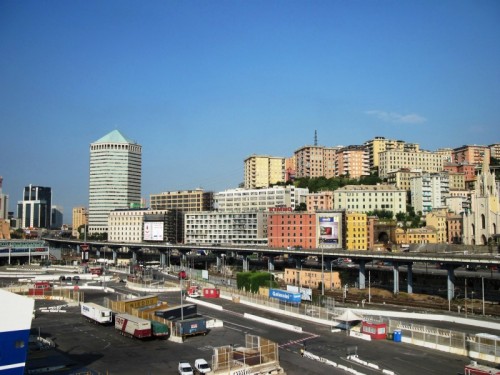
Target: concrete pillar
(163, 258)
(451, 283)
(134, 256)
(270, 263)
(219, 261)
(395, 271)
(298, 263)
(362, 274)
(410, 278)
(246, 263)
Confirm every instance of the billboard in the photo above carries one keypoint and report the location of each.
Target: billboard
(285, 296)
(153, 231)
(330, 229)
(306, 293)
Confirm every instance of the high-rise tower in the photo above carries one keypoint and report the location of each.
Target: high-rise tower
(115, 178)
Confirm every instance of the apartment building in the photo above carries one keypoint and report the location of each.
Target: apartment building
(471, 154)
(247, 200)
(231, 228)
(352, 161)
(321, 201)
(446, 154)
(395, 160)
(456, 181)
(401, 178)
(380, 144)
(495, 150)
(367, 198)
(454, 228)
(262, 171)
(141, 225)
(183, 200)
(429, 191)
(315, 161)
(290, 168)
(292, 229)
(356, 231)
(79, 218)
(468, 170)
(438, 219)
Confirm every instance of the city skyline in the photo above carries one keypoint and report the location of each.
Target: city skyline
(203, 86)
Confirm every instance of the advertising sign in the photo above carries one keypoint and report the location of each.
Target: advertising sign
(153, 231)
(285, 296)
(329, 226)
(306, 293)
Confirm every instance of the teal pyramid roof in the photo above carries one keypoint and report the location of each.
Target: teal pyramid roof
(114, 137)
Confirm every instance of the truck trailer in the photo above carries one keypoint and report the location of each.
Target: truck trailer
(191, 327)
(159, 330)
(132, 326)
(96, 313)
(178, 312)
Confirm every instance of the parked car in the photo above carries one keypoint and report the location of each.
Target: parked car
(185, 368)
(201, 366)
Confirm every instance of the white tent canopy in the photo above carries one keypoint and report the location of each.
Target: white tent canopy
(348, 316)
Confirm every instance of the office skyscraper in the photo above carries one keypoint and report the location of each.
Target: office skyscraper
(115, 178)
(34, 210)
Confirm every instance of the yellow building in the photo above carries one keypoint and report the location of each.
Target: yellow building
(437, 219)
(402, 178)
(262, 171)
(80, 217)
(312, 278)
(356, 231)
(416, 236)
(380, 144)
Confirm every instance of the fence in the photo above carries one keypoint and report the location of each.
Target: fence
(481, 346)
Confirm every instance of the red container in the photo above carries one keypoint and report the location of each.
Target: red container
(377, 331)
(211, 292)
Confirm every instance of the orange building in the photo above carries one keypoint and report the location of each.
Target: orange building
(454, 228)
(471, 154)
(319, 201)
(289, 229)
(312, 278)
(469, 170)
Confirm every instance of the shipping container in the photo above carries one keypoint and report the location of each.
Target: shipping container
(178, 312)
(96, 313)
(39, 288)
(190, 327)
(126, 306)
(133, 326)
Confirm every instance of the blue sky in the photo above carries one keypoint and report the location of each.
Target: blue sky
(201, 85)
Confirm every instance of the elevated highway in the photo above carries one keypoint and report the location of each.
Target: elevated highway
(449, 260)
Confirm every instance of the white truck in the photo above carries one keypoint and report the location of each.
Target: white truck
(96, 313)
(132, 326)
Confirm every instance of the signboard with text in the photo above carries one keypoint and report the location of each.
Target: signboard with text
(285, 296)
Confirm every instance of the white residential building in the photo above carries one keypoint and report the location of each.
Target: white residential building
(368, 198)
(429, 191)
(251, 200)
(234, 228)
(394, 160)
(115, 178)
(141, 225)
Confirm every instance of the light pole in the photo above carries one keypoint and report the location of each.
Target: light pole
(369, 288)
(482, 286)
(322, 273)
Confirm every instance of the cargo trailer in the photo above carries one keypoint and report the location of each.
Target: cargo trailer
(96, 313)
(132, 326)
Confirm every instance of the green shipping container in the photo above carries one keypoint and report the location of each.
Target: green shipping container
(159, 329)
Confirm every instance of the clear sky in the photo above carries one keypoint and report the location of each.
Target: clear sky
(202, 85)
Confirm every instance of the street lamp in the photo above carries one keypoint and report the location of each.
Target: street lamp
(322, 273)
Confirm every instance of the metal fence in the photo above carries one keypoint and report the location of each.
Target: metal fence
(480, 346)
